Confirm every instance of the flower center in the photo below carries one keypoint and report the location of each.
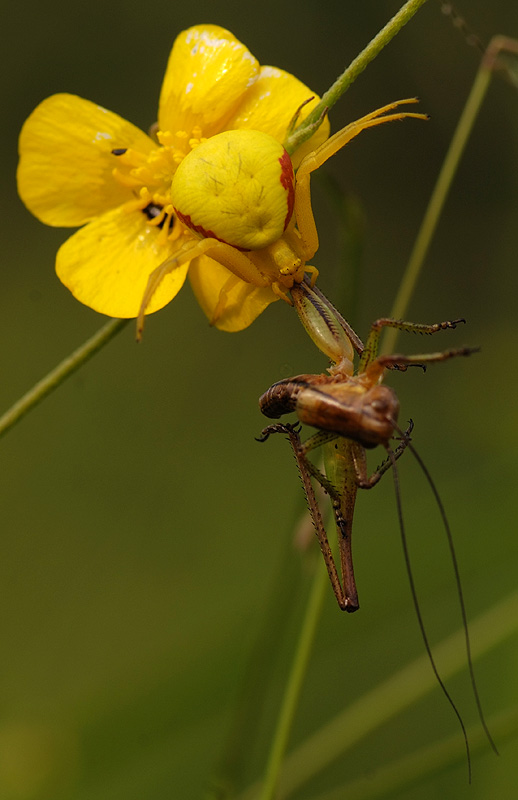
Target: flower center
(149, 177)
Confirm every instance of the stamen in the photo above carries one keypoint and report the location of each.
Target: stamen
(143, 175)
(180, 143)
(127, 155)
(168, 230)
(126, 179)
(196, 137)
(138, 204)
(149, 178)
(170, 139)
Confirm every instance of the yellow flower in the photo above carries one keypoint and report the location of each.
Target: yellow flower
(81, 165)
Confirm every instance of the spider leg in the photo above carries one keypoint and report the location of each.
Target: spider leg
(303, 211)
(236, 261)
(187, 252)
(281, 292)
(229, 284)
(342, 137)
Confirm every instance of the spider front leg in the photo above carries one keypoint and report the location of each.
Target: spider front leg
(303, 211)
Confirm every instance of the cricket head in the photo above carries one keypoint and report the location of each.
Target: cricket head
(281, 398)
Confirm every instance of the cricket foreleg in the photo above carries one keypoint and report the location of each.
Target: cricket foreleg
(371, 346)
(366, 481)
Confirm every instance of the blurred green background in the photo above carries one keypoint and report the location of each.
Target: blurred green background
(143, 528)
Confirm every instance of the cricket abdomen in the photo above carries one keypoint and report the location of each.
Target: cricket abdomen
(366, 416)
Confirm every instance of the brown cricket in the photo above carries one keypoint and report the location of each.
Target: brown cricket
(352, 410)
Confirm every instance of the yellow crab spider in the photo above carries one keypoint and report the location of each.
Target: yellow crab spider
(242, 205)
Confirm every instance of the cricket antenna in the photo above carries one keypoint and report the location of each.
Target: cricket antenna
(415, 600)
(460, 593)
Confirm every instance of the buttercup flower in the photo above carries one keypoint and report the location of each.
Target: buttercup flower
(81, 165)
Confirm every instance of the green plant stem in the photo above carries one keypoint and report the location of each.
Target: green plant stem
(309, 626)
(437, 201)
(60, 373)
(294, 684)
(340, 86)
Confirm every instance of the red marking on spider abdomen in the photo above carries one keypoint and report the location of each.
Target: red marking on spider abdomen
(203, 232)
(186, 219)
(287, 182)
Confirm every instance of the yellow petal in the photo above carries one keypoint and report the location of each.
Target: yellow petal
(244, 301)
(65, 170)
(107, 263)
(270, 104)
(207, 73)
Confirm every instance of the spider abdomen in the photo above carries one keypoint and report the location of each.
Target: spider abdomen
(237, 187)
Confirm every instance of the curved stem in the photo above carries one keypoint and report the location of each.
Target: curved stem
(60, 373)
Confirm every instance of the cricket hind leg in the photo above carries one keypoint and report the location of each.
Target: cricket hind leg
(342, 502)
(347, 596)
